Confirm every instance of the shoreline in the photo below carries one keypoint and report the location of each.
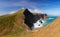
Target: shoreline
(51, 30)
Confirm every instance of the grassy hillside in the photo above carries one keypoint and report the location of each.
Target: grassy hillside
(13, 24)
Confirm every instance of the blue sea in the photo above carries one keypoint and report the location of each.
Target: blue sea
(49, 20)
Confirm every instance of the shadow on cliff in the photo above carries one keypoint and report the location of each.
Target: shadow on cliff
(30, 18)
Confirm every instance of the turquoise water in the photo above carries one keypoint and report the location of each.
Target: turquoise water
(49, 20)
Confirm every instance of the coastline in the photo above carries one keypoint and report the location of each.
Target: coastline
(51, 30)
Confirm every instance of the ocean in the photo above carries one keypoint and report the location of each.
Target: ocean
(45, 22)
(49, 20)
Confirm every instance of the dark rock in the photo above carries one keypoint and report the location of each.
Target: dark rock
(30, 18)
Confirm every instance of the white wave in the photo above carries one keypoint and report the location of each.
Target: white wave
(38, 24)
(51, 18)
(43, 21)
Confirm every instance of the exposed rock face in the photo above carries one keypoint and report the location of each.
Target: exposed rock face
(13, 23)
(30, 18)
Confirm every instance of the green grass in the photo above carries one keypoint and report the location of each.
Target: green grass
(10, 26)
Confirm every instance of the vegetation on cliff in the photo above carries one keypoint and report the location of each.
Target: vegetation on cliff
(13, 23)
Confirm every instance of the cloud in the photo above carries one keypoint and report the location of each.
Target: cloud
(31, 10)
(3, 13)
(21, 3)
(52, 12)
(37, 11)
(35, 5)
(11, 4)
(8, 6)
(12, 12)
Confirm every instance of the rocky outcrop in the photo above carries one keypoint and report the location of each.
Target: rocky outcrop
(30, 18)
(16, 23)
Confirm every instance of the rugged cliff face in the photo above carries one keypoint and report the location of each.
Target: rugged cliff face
(19, 22)
(31, 18)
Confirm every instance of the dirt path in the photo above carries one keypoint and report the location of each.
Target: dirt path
(51, 30)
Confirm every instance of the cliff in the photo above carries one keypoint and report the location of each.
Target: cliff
(17, 23)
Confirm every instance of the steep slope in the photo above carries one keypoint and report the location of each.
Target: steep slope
(51, 30)
(18, 23)
(13, 23)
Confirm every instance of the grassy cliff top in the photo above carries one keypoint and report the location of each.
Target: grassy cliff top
(13, 24)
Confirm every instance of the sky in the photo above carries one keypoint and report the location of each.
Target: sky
(50, 7)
